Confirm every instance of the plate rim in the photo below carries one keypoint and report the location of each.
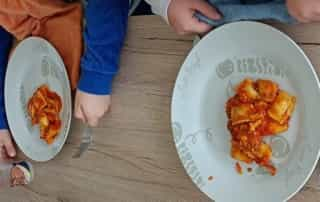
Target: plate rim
(182, 66)
(69, 95)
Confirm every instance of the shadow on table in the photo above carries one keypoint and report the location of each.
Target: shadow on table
(143, 9)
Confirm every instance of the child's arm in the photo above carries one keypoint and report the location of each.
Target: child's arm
(106, 25)
(304, 10)
(180, 14)
(5, 46)
(5, 137)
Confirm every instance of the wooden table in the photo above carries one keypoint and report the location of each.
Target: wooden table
(133, 157)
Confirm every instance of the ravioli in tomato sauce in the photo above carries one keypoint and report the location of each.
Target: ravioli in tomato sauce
(258, 109)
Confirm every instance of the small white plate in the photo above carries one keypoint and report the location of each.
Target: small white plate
(205, 82)
(35, 62)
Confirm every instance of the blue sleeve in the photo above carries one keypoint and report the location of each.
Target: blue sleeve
(106, 26)
(5, 46)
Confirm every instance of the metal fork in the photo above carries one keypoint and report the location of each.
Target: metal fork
(86, 140)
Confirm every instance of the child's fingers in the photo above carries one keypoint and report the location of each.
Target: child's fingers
(206, 9)
(93, 121)
(8, 144)
(78, 113)
(77, 109)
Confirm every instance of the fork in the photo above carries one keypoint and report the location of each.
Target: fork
(86, 138)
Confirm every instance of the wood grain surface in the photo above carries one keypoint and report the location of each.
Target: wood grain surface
(133, 157)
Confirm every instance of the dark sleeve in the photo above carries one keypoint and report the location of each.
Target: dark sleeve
(5, 46)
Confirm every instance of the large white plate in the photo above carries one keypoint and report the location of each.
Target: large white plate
(33, 63)
(214, 66)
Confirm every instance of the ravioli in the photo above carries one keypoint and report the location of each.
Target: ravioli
(44, 108)
(247, 91)
(259, 108)
(267, 90)
(282, 108)
(241, 113)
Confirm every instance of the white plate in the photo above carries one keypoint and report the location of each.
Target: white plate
(214, 66)
(33, 63)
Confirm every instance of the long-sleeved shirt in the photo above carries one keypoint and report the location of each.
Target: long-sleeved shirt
(5, 46)
(106, 23)
(104, 36)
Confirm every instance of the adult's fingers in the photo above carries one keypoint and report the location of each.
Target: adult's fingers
(304, 19)
(308, 14)
(199, 27)
(206, 9)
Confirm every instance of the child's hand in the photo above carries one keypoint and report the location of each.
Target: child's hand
(180, 16)
(304, 10)
(90, 108)
(6, 145)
